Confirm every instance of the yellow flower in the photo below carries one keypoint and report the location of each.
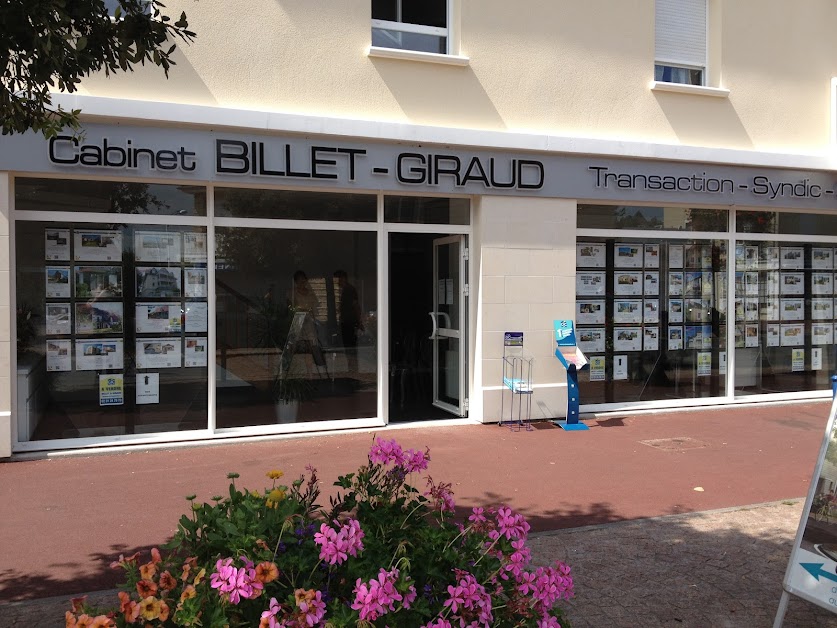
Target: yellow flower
(150, 608)
(276, 495)
(188, 593)
(255, 494)
(274, 475)
(199, 576)
(148, 571)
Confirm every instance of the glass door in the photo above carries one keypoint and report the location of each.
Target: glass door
(448, 318)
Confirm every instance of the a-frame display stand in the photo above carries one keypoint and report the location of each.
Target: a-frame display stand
(573, 360)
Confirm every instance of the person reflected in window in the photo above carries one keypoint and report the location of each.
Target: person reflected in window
(303, 299)
(349, 317)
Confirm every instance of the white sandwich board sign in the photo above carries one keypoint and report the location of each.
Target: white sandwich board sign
(812, 569)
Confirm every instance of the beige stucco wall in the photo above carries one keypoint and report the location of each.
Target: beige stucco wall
(527, 280)
(557, 66)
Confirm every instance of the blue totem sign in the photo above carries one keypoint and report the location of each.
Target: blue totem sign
(573, 360)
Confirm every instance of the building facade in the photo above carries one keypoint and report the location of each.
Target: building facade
(330, 214)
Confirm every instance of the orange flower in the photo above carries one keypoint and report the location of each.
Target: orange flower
(83, 621)
(189, 564)
(188, 593)
(167, 581)
(266, 572)
(148, 570)
(70, 619)
(185, 575)
(102, 621)
(128, 607)
(164, 611)
(155, 555)
(262, 544)
(146, 588)
(150, 608)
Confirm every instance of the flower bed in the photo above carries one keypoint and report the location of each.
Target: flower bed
(383, 553)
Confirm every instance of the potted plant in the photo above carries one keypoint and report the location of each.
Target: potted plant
(289, 390)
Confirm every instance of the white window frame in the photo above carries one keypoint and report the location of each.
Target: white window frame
(685, 62)
(407, 27)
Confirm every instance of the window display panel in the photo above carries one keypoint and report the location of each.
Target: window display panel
(653, 313)
(296, 326)
(104, 337)
(292, 205)
(784, 340)
(109, 197)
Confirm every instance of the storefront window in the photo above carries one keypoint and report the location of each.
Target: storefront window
(784, 316)
(111, 329)
(427, 210)
(293, 205)
(788, 223)
(651, 318)
(296, 325)
(656, 218)
(109, 197)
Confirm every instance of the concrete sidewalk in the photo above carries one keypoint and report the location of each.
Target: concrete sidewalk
(713, 569)
(65, 518)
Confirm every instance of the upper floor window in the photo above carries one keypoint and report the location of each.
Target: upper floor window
(680, 42)
(420, 25)
(112, 5)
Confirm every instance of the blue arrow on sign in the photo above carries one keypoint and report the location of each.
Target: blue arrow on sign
(816, 570)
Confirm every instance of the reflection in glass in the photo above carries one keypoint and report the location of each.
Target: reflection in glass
(791, 223)
(427, 210)
(784, 316)
(651, 318)
(296, 326)
(82, 320)
(109, 197)
(293, 205)
(657, 218)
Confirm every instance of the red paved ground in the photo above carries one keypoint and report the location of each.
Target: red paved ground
(64, 519)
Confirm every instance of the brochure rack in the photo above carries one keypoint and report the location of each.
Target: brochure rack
(573, 360)
(517, 379)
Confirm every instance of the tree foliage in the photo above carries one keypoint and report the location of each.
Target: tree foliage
(51, 45)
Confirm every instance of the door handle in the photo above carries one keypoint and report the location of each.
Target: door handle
(435, 326)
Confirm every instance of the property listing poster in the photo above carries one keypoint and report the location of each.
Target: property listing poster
(59, 356)
(161, 247)
(57, 282)
(57, 245)
(91, 245)
(627, 255)
(587, 312)
(194, 248)
(159, 353)
(591, 340)
(58, 319)
(590, 284)
(195, 283)
(675, 338)
(197, 316)
(158, 318)
(111, 390)
(628, 284)
(590, 255)
(99, 354)
(597, 368)
(195, 354)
